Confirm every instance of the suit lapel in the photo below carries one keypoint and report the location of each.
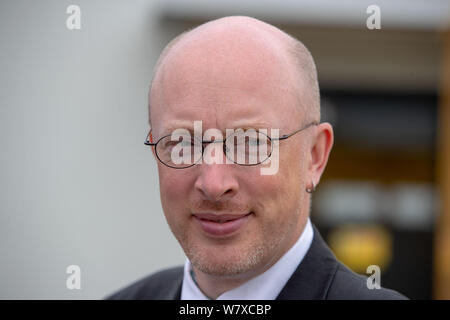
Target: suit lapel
(312, 278)
(174, 293)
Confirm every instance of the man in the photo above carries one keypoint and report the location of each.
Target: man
(246, 233)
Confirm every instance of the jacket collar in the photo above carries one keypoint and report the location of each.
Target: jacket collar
(313, 277)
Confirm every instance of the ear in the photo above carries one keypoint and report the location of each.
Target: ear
(320, 150)
(150, 139)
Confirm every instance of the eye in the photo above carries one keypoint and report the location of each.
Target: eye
(186, 143)
(181, 141)
(167, 143)
(253, 142)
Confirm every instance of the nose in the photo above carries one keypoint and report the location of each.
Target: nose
(216, 182)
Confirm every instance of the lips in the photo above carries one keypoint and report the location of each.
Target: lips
(220, 225)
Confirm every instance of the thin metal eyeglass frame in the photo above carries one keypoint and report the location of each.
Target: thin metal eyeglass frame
(283, 137)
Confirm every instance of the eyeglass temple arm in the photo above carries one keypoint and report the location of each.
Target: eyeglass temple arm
(285, 136)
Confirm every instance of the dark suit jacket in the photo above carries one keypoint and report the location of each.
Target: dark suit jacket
(319, 276)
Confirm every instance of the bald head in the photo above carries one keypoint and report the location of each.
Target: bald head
(239, 49)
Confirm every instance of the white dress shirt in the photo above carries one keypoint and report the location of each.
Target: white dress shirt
(265, 286)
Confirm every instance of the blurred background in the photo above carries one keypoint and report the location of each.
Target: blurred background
(78, 186)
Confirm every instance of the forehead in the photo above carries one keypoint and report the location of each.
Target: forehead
(226, 81)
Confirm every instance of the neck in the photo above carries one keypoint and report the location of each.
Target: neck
(213, 286)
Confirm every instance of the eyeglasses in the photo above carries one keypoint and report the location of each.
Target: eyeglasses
(246, 148)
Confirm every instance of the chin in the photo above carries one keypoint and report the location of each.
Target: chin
(227, 263)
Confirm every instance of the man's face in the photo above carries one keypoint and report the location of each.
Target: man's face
(227, 88)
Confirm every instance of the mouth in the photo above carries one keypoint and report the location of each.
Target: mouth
(221, 225)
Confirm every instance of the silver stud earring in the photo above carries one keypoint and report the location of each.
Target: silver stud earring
(311, 189)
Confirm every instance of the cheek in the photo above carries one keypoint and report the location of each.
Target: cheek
(174, 189)
(278, 191)
(279, 195)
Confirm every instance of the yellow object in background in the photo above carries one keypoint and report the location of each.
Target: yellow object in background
(359, 246)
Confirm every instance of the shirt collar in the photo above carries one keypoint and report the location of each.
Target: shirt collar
(265, 286)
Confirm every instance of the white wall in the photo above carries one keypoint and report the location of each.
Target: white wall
(77, 184)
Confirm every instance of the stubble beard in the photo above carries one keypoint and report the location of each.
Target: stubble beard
(239, 260)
